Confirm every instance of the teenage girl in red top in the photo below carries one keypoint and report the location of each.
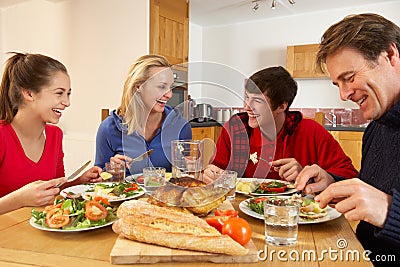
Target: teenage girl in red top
(34, 91)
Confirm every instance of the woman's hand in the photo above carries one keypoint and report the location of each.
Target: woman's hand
(122, 159)
(38, 193)
(90, 176)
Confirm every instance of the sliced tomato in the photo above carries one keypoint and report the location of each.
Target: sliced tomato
(102, 200)
(217, 221)
(50, 207)
(134, 187)
(229, 213)
(238, 229)
(94, 211)
(261, 199)
(277, 187)
(57, 218)
(140, 179)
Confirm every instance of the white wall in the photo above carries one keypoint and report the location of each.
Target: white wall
(195, 55)
(97, 40)
(249, 47)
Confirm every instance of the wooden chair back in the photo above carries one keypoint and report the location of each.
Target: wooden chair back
(105, 112)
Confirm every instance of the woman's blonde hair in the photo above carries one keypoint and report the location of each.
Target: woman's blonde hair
(132, 107)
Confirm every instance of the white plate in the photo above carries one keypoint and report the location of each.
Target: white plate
(38, 226)
(288, 192)
(83, 188)
(331, 214)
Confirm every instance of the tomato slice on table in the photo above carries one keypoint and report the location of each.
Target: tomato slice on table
(57, 218)
(229, 213)
(217, 221)
(238, 229)
(94, 211)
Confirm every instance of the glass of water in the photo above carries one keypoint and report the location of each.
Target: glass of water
(281, 223)
(154, 177)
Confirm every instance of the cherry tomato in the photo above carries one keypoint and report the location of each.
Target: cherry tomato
(217, 222)
(57, 218)
(94, 211)
(102, 200)
(238, 229)
(229, 213)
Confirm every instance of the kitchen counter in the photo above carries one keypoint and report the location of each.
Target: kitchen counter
(346, 128)
(209, 123)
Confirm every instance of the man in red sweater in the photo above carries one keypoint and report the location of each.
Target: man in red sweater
(269, 141)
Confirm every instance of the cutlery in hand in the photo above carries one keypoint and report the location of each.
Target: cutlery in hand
(75, 174)
(142, 156)
(300, 192)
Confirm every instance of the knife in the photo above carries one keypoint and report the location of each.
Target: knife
(142, 156)
(74, 175)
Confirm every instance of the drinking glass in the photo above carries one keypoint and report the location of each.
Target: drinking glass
(154, 177)
(281, 223)
(187, 158)
(117, 170)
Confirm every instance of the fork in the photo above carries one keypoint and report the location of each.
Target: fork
(300, 192)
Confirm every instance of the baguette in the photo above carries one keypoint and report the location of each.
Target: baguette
(143, 222)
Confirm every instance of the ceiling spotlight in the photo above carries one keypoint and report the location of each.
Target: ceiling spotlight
(256, 6)
(292, 2)
(273, 5)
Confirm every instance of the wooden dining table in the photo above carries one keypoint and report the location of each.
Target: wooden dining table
(332, 243)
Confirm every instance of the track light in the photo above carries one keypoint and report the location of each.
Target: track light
(256, 7)
(273, 5)
(292, 2)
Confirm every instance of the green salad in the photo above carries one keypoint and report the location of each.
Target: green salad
(72, 214)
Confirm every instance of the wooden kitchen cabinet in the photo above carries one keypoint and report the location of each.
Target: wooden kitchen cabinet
(351, 143)
(300, 61)
(169, 29)
(210, 136)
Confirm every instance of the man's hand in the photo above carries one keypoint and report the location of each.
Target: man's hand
(321, 179)
(209, 173)
(357, 200)
(288, 168)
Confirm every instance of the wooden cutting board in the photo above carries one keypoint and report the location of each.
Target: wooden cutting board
(126, 251)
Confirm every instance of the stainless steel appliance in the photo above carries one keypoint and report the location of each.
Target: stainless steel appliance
(204, 112)
(179, 90)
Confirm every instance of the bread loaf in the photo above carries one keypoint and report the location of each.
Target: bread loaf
(143, 222)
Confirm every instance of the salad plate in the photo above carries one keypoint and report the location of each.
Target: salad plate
(290, 188)
(331, 214)
(74, 215)
(40, 227)
(87, 191)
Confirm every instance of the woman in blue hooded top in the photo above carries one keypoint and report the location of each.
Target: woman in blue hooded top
(143, 121)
